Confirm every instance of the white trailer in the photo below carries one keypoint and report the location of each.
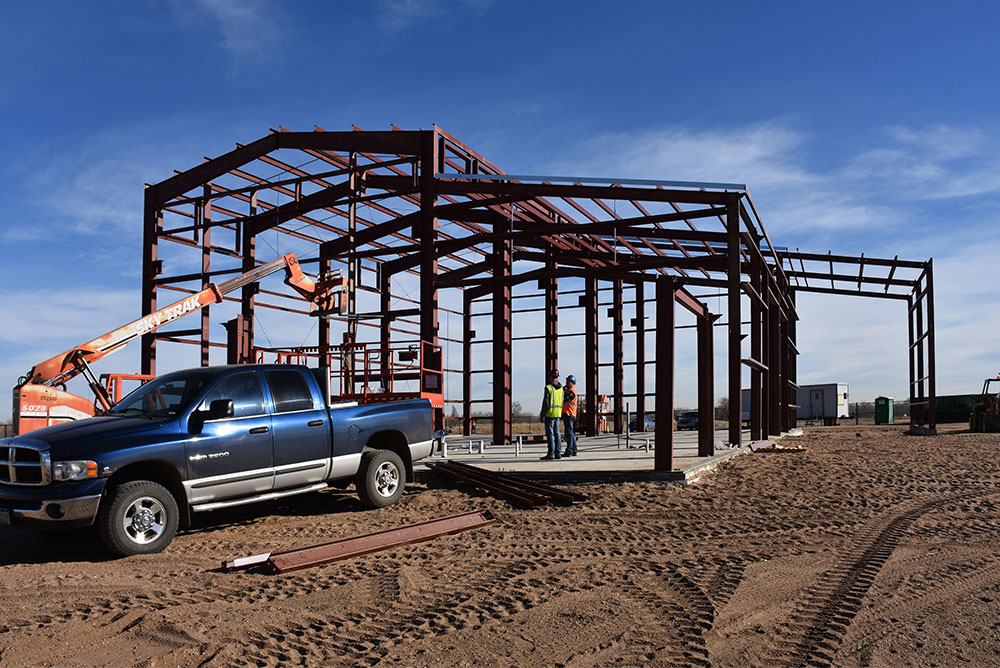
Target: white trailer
(827, 402)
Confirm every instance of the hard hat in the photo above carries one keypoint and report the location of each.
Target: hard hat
(571, 378)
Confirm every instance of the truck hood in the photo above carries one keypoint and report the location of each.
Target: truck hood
(87, 431)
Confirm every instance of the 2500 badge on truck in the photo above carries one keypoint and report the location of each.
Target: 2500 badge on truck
(203, 439)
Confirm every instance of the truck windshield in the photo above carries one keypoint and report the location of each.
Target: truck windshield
(161, 397)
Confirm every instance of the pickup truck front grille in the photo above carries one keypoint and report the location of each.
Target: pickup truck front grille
(24, 466)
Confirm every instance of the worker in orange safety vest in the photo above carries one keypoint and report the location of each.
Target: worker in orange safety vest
(570, 399)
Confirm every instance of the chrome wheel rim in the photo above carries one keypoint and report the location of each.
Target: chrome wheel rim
(145, 520)
(386, 479)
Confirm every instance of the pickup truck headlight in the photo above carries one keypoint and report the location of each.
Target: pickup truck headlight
(78, 470)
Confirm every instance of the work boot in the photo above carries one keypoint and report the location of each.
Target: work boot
(547, 457)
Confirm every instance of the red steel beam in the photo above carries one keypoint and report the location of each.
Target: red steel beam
(315, 555)
(618, 354)
(590, 349)
(551, 317)
(846, 259)
(640, 355)
(459, 187)
(734, 317)
(706, 386)
(505, 490)
(663, 459)
(502, 359)
(533, 487)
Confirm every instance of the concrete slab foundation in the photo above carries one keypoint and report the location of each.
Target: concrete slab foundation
(604, 458)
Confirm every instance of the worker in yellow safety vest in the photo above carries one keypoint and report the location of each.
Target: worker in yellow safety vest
(569, 416)
(552, 402)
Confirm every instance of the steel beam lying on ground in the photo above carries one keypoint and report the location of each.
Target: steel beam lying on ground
(521, 496)
(535, 487)
(346, 548)
(529, 493)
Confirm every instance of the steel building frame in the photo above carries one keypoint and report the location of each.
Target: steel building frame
(423, 206)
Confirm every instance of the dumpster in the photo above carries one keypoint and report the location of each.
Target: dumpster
(883, 410)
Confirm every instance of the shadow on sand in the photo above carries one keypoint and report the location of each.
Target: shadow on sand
(23, 545)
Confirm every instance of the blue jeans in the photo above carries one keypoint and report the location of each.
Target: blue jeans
(552, 435)
(569, 423)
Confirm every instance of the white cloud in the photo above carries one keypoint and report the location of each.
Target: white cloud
(941, 141)
(763, 155)
(931, 163)
(250, 28)
(399, 15)
(39, 316)
(770, 158)
(878, 187)
(94, 186)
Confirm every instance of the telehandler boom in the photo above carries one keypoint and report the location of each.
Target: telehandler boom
(40, 397)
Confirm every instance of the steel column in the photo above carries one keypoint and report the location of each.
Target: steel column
(735, 317)
(551, 317)
(640, 355)
(235, 340)
(618, 346)
(756, 352)
(152, 224)
(791, 371)
(663, 459)
(428, 226)
(248, 243)
(385, 326)
(767, 399)
(706, 386)
(590, 346)
(921, 408)
(783, 372)
(467, 336)
(910, 353)
(774, 394)
(931, 382)
(351, 335)
(501, 344)
(205, 220)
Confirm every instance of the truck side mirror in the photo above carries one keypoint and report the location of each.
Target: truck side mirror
(220, 408)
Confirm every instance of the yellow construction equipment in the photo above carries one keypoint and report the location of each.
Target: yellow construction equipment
(985, 416)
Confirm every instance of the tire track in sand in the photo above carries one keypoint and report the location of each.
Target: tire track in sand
(815, 628)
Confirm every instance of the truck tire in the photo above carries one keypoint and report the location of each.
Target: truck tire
(138, 517)
(381, 478)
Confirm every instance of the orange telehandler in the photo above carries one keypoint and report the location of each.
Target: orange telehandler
(40, 397)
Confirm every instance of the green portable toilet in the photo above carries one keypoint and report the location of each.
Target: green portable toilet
(883, 410)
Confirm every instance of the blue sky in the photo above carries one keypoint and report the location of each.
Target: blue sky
(858, 127)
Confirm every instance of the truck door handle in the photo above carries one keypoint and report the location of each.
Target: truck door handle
(259, 430)
(314, 423)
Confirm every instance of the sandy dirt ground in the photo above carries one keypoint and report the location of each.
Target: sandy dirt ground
(868, 548)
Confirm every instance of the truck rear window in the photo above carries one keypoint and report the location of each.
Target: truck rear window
(289, 391)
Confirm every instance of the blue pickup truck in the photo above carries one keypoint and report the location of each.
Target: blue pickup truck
(203, 439)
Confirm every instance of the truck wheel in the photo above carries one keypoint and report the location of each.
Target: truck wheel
(138, 517)
(381, 478)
